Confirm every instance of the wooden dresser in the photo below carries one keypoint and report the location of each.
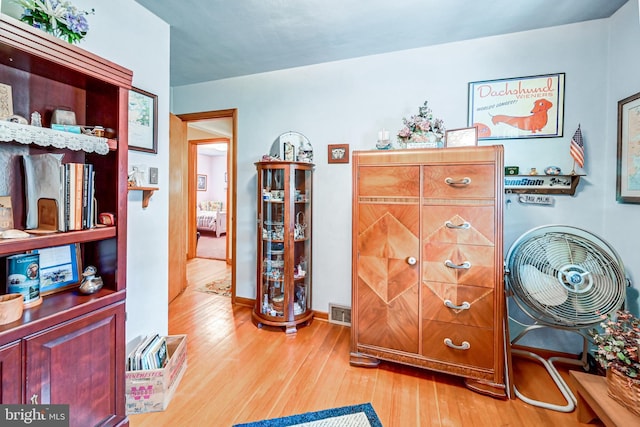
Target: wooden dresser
(428, 262)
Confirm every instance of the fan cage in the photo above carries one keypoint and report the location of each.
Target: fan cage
(565, 278)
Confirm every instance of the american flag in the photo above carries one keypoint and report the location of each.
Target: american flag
(577, 147)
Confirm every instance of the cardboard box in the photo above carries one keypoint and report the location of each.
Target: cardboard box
(152, 390)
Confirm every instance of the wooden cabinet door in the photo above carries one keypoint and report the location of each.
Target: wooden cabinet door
(10, 374)
(80, 363)
(386, 300)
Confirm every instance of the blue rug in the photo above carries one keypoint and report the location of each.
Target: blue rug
(361, 415)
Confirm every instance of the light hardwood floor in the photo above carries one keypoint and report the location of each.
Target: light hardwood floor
(238, 373)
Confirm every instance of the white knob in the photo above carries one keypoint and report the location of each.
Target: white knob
(412, 260)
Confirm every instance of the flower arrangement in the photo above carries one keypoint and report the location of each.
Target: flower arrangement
(419, 127)
(60, 18)
(618, 344)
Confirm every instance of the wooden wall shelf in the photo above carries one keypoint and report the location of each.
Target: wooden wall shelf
(541, 184)
(147, 192)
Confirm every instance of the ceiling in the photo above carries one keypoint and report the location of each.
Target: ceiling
(217, 39)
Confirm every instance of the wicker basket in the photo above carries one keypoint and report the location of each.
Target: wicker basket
(624, 390)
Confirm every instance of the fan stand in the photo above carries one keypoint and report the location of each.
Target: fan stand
(551, 369)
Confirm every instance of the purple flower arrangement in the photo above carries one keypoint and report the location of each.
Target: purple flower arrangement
(60, 18)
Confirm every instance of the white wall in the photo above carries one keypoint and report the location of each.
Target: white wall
(215, 167)
(124, 32)
(620, 220)
(349, 101)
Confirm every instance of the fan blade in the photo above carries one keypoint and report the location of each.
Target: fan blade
(545, 289)
(561, 251)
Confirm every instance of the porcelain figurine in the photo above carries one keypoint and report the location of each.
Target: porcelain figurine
(90, 282)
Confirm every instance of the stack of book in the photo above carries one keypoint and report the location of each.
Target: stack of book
(76, 208)
(150, 353)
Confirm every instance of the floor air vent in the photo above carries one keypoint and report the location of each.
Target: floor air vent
(340, 315)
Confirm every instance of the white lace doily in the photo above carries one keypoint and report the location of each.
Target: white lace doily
(26, 134)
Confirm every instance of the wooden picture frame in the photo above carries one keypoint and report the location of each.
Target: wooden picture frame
(6, 213)
(462, 137)
(60, 268)
(6, 102)
(338, 153)
(628, 178)
(143, 121)
(518, 107)
(201, 182)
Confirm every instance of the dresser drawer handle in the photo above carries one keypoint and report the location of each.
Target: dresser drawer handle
(463, 181)
(465, 305)
(465, 345)
(465, 225)
(464, 266)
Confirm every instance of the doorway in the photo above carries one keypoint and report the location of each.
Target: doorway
(211, 138)
(207, 130)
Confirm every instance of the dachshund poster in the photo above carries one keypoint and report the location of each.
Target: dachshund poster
(521, 107)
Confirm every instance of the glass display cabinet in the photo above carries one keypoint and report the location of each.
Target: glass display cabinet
(283, 295)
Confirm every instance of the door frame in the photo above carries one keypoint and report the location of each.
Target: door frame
(190, 173)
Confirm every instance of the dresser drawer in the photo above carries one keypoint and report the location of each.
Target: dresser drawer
(470, 225)
(386, 181)
(459, 181)
(459, 304)
(476, 264)
(479, 341)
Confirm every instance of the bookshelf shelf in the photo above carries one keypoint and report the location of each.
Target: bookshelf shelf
(45, 137)
(11, 246)
(147, 192)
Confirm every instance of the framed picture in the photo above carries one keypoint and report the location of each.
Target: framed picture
(288, 150)
(338, 153)
(6, 101)
(463, 137)
(59, 268)
(519, 107)
(201, 183)
(6, 213)
(628, 174)
(143, 121)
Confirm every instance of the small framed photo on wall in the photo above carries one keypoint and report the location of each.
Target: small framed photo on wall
(143, 121)
(201, 183)
(338, 153)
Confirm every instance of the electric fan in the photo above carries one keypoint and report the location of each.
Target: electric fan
(567, 278)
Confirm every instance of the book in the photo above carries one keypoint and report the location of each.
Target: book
(162, 355)
(85, 196)
(71, 190)
(77, 225)
(142, 351)
(150, 357)
(62, 199)
(151, 352)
